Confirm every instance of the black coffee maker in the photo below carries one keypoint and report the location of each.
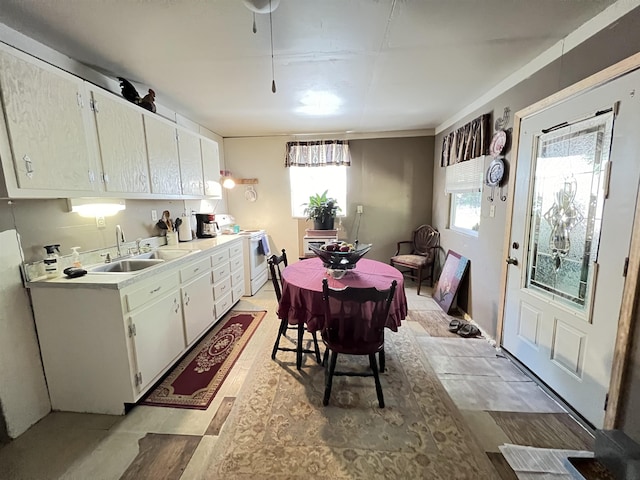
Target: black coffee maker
(206, 225)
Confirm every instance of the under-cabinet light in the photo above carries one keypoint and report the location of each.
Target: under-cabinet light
(96, 207)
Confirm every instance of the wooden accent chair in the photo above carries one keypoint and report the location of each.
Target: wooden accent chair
(354, 322)
(274, 262)
(419, 264)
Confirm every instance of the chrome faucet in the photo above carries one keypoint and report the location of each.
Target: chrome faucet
(119, 238)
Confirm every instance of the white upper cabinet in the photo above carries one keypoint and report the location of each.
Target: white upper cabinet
(63, 137)
(122, 144)
(45, 114)
(190, 163)
(162, 149)
(211, 167)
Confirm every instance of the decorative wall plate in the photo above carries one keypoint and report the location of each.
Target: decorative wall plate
(495, 171)
(498, 143)
(250, 194)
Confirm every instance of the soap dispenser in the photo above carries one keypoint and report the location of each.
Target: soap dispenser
(75, 257)
(51, 261)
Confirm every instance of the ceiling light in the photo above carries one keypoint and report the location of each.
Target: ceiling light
(96, 207)
(319, 103)
(261, 6)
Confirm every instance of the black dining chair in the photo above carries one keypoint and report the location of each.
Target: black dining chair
(274, 262)
(354, 323)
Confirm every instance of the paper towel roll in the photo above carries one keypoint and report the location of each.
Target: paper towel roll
(184, 230)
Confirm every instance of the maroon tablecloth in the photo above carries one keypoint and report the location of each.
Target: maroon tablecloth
(302, 290)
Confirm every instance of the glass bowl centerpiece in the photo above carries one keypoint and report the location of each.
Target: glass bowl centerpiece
(340, 255)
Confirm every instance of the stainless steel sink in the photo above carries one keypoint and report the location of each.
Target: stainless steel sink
(165, 254)
(126, 265)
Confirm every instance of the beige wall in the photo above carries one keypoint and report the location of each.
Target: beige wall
(389, 177)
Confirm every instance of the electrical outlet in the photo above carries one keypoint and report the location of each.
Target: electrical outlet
(359, 209)
(154, 215)
(101, 222)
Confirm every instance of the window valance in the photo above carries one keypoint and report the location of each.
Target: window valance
(317, 153)
(467, 142)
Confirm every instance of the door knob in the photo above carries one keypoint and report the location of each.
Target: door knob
(512, 261)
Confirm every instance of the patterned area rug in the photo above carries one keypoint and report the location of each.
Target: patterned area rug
(195, 380)
(279, 428)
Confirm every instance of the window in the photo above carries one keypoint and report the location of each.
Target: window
(317, 166)
(307, 181)
(464, 183)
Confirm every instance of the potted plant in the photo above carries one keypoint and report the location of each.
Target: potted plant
(322, 210)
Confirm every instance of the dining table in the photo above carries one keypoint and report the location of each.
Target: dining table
(302, 301)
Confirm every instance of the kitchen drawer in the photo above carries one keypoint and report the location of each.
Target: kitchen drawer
(221, 289)
(220, 272)
(189, 272)
(236, 263)
(220, 256)
(223, 305)
(151, 290)
(237, 277)
(235, 250)
(237, 292)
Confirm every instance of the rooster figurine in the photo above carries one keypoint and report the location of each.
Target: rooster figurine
(130, 93)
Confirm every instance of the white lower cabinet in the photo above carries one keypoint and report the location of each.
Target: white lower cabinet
(236, 263)
(198, 308)
(158, 338)
(104, 347)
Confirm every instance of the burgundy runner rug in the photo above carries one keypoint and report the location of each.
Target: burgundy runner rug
(195, 380)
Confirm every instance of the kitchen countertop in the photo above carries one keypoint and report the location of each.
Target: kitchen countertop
(118, 281)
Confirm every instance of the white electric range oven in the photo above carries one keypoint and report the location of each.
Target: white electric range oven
(256, 251)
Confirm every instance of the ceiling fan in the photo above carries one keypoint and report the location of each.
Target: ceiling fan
(264, 6)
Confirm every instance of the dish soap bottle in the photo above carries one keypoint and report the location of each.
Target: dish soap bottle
(51, 262)
(75, 257)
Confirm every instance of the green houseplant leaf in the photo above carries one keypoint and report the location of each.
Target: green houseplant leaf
(321, 207)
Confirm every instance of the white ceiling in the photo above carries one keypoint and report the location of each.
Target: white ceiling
(393, 64)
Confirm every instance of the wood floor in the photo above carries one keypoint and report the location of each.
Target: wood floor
(499, 403)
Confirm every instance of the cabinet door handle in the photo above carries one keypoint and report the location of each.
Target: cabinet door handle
(186, 299)
(196, 269)
(28, 165)
(177, 305)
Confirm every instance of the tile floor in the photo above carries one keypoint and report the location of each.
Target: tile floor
(83, 446)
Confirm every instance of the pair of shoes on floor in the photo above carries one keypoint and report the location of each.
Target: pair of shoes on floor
(464, 329)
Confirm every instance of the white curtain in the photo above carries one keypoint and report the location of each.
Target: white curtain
(317, 153)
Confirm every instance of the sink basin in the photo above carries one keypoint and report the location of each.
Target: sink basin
(126, 266)
(164, 254)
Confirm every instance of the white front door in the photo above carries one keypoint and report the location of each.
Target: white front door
(574, 204)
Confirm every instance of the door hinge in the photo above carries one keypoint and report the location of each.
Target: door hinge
(606, 401)
(138, 378)
(626, 267)
(132, 330)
